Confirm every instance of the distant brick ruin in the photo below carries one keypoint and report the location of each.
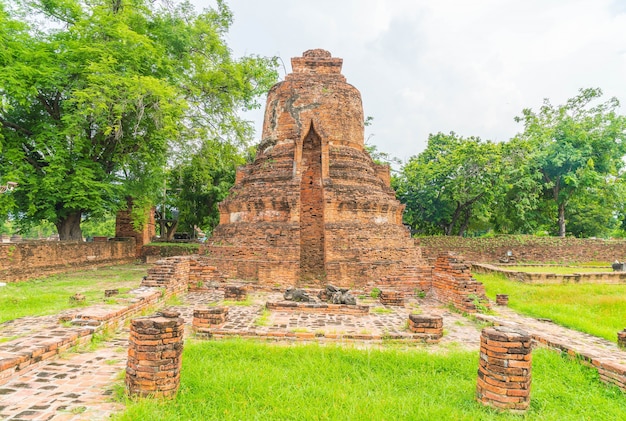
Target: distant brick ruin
(314, 207)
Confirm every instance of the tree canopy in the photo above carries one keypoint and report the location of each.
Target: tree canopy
(450, 185)
(575, 147)
(566, 165)
(96, 98)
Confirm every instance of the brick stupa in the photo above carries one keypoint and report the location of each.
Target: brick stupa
(313, 207)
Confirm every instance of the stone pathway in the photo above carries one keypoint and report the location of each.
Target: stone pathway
(79, 386)
(76, 386)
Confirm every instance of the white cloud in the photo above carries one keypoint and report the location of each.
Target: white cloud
(426, 66)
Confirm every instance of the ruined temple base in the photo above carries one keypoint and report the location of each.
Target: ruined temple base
(292, 306)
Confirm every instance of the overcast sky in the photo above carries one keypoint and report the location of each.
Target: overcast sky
(425, 66)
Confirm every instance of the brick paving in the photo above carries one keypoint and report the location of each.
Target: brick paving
(79, 386)
(76, 386)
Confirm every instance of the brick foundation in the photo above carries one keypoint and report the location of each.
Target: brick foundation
(204, 318)
(429, 328)
(154, 355)
(391, 298)
(621, 339)
(171, 273)
(502, 300)
(235, 293)
(356, 310)
(504, 371)
(453, 283)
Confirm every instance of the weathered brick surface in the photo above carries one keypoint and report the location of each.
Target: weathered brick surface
(155, 355)
(452, 283)
(427, 327)
(502, 299)
(621, 339)
(205, 318)
(526, 248)
(26, 260)
(235, 292)
(504, 371)
(124, 228)
(326, 308)
(171, 273)
(391, 298)
(313, 206)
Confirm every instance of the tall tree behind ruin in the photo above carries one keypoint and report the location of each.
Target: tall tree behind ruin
(574, 148)
(451, 185)
(95, 98)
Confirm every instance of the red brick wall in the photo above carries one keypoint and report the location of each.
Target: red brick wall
(124, 229)
(452, 283)
(526, 248)
(22, 261)
(311, 210)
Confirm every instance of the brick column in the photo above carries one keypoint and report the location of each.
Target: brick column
(502, 300)
(392, 298)
(154, 355)
(504, 370)
(621, 339)
(204, 318)
(429, 328)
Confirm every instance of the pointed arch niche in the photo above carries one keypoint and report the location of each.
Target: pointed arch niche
(311, 208)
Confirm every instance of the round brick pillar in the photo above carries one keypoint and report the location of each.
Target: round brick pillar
(504, 370)
(154, 355)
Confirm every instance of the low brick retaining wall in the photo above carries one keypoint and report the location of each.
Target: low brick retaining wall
(26, 353)
(553, 278)
(317, 308)
(31, 259)
(218, 333)
(525, 248)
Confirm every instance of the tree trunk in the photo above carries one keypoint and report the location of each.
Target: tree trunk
(562, 220)
(69, 227)
(465, 224)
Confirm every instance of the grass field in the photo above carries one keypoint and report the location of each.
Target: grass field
(244, 380)
(598, 309)
(50, 295)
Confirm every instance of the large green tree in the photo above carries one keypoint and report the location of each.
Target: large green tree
(449, 187)
(198, 184)
(574, 149)
(96, 97)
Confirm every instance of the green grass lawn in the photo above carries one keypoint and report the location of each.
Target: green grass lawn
(561, 270)
(50, 295)
(245, 380)
(598, 309)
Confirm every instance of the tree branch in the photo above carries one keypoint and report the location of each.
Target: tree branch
(15, 127)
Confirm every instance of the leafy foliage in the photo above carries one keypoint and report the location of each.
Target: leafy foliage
(95, 97)
(567, 162)
(576, 148)
(449, 187)
(203, 182)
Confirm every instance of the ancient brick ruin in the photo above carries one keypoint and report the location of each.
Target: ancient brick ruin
(313, 207)
(504, 372)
